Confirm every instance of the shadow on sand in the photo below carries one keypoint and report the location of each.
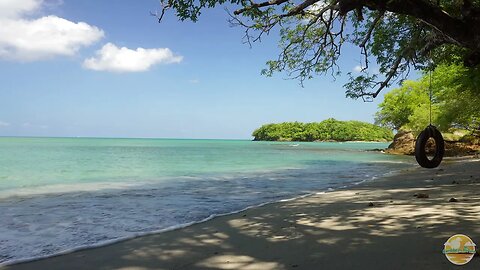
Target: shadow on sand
(376, 225)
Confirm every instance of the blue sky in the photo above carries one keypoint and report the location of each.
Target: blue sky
(188, 80)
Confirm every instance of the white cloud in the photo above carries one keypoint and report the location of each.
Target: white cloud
(42, 38)
(16, 8)
(371, 70)
(357, 68)
(317, 6)
(4, 124)
(313, 9)
(115, 59)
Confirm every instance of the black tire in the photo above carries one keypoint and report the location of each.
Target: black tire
(421, 154)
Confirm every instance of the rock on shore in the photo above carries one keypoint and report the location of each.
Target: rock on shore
(404, 144)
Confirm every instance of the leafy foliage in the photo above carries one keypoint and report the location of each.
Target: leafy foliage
(455, 101)
(392, 35)
(327, 130)
(407, 107)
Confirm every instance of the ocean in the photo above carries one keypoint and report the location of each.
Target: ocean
(64, 194)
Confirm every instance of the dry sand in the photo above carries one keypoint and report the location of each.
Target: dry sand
(336, 230)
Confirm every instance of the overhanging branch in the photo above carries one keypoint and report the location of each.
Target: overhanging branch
(259, 5)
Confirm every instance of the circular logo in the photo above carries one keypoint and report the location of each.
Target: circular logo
(459, 249)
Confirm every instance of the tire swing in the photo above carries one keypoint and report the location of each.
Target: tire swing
(429, 132)
(421, 153)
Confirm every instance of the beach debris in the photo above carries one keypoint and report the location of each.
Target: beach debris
(370, 204)
(453, 200)
(455, 182)
(421, 195)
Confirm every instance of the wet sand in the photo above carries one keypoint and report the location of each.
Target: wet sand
(380, 224)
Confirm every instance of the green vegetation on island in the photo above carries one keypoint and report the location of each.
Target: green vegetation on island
(327, 130)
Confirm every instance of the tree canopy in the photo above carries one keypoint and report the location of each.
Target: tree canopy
(395, 35)
(327, 130)
(455, 101)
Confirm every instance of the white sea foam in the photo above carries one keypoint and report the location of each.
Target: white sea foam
(171, 228)
(66, 188)
(138, 187)
(35, 227)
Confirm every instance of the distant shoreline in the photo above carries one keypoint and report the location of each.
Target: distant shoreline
(326, 130)
(332, 141)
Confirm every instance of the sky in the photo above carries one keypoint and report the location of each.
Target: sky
(109, 69)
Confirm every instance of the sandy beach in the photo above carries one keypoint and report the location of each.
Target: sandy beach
(378, 224)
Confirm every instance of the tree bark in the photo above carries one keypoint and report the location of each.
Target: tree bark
(464, 31)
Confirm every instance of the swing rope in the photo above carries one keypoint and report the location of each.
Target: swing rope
(429, 132)
(431, 96)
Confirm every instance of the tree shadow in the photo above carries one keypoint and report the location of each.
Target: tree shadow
(376, 225)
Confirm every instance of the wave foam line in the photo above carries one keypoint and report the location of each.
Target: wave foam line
(184, 225)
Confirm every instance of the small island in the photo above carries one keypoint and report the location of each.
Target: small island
(327, 130)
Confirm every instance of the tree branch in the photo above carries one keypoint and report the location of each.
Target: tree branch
(423, 10)
(390, 75)
(363, 44)
(259, 5)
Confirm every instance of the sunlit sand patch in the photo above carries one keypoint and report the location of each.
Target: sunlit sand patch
(212, 239)
(221, 235)
(333, 223)
(205, 239)
(261, 229)
(363, 218)
(336, 197)
(189, 241)
(427, 214)
(241, 262)
(286, 234)
(157, 253)
(251, 227)
(329, 241)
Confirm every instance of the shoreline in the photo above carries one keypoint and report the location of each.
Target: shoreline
(142, 242)
(192, 223)
(146, 234)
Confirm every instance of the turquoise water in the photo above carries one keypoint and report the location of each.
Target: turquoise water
(59, 194)
(31, 162)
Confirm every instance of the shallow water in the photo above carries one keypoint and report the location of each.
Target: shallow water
(58, 194)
